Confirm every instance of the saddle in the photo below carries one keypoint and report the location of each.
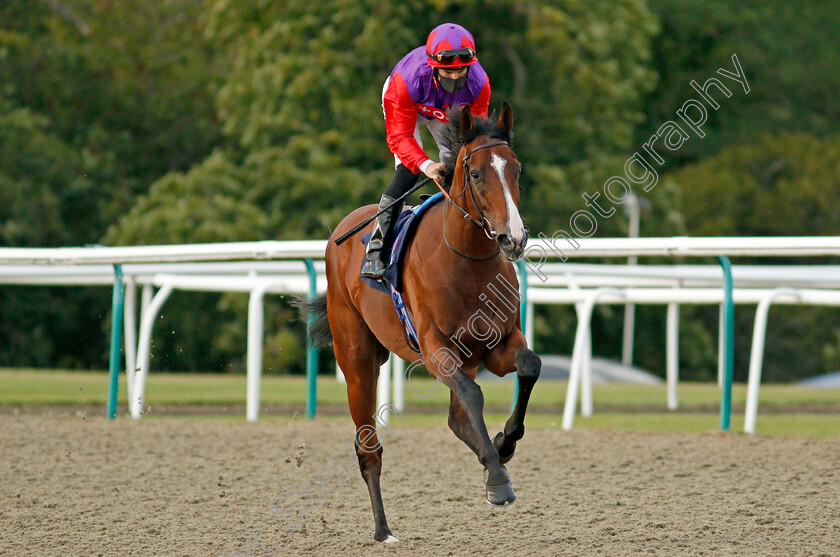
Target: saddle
(394, 249)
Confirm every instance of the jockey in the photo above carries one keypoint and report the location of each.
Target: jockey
(429, 80)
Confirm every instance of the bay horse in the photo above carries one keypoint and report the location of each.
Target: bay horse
(459, 248)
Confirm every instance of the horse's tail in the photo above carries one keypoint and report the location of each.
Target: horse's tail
(320, 335)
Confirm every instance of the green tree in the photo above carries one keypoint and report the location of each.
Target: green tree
(128, 85)
(97, 101)
(42, 183)
(787, 51)
(302, 101)
(300, 108)
(777, 185)
(44, 201)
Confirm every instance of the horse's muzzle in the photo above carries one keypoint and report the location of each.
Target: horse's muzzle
(511, 248)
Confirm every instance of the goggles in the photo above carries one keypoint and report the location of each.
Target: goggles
(450, 57)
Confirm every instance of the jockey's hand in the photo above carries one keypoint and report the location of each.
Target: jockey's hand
(435, 172)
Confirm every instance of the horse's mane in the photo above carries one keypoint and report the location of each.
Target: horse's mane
(454, 138)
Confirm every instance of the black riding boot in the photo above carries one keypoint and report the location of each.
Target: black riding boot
(374, 265)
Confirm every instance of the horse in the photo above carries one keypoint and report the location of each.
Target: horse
(463, 250)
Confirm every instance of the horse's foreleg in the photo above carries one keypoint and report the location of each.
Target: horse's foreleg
(443, 364)
(460, 425)
(496, 481)
(527, 371)
(527, 365)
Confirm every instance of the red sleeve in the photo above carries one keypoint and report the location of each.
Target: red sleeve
(481, 104)
(400, 121)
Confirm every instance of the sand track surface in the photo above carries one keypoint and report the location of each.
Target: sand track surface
(170, 486)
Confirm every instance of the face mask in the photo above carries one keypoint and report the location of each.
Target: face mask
(451, 85)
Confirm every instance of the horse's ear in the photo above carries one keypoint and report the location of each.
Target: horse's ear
(467, 120)
(506, 117)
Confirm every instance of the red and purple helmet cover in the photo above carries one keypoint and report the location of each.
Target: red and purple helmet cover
(449, 36)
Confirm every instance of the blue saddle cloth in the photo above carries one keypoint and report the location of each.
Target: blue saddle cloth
(391, 282)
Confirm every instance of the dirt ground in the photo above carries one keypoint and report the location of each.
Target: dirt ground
(171, 486)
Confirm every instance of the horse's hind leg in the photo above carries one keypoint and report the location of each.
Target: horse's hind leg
(359, 355)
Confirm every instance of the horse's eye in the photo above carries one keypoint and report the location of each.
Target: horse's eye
(474, 174)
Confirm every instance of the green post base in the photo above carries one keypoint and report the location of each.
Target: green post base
(117, 309)
(728, 344)
(311, 352)
(523, 312)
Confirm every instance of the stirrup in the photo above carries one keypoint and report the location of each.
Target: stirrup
(373, 268)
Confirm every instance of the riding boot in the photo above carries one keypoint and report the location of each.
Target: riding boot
(374, 265)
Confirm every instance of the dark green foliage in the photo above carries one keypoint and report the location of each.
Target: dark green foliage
(97, 101)
(761, 183)
(778, 185)
(788, 51)
(785, 185)
(43, 190)
(138, 122)
(301, 110)
(54, 327)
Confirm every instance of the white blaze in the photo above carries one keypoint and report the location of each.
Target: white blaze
(514, 223)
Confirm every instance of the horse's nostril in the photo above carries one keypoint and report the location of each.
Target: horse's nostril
(504, 240)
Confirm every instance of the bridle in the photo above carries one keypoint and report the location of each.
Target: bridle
(482, 222)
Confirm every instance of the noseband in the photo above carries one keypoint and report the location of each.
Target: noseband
(482, 222)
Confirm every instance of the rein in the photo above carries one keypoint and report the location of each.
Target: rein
(483, 223)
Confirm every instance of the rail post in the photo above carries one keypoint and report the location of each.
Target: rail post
(117, 309)
(728, 344)
(311, 351)
(523, 314)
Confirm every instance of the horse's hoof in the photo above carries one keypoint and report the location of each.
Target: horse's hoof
(385, 537)
(504, 471)
(500, 495)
